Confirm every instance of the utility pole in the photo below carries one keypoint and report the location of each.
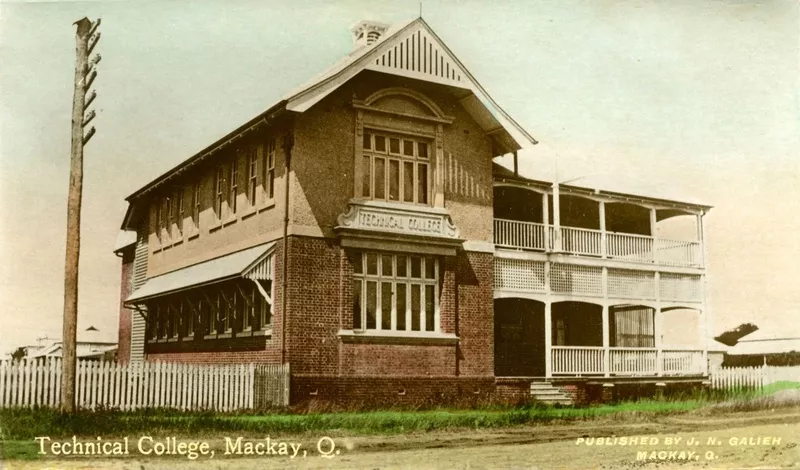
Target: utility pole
(86, 38)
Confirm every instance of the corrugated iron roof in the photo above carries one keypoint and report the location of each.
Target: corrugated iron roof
(215, 270)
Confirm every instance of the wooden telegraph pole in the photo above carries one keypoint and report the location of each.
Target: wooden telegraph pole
(86, 39)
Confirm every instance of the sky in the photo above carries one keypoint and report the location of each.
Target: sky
(698, 100)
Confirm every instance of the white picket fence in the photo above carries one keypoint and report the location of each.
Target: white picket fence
(219, 387)
(727, 378)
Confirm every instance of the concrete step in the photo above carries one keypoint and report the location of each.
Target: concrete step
(545, 392)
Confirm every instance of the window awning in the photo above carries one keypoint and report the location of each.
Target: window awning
(252, 263)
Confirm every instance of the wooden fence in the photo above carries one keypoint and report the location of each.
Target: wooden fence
(752, 377)
(219, 387)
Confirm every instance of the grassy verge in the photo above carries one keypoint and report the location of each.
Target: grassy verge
(22, 424)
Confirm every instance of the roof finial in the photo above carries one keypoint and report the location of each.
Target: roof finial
(420, 8)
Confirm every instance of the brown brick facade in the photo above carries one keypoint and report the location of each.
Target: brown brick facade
(320, 305)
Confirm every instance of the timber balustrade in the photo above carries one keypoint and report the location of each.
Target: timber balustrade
(597, 243)
(590, 360)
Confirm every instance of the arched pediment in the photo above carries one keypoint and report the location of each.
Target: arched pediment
(405, 102)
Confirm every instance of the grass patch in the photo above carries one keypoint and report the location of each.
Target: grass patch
(25, 424)
(19, 450)
(21, 424)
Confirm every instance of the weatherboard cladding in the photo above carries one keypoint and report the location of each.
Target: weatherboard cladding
(138, 325)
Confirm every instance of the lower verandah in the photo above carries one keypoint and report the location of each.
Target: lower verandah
(585, 339)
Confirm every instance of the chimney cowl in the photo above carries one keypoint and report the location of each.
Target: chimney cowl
(367, 32)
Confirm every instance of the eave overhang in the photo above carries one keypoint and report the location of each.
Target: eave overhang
(266, 118)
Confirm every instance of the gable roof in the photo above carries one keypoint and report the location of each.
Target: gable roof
(428, 58)
(412, 49)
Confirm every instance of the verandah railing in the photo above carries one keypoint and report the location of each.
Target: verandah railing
(220, 387)
(590, 242)
(590, 360)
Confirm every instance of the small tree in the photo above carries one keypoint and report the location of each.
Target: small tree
(20, 353)
(731, 337)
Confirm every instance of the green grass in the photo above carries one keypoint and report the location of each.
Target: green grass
(20, 424)
(25, 424)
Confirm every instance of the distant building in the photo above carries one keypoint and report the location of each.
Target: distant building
(361, 231)
(90, 345)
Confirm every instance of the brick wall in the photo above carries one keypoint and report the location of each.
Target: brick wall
(512, 391)
(475, 306)
(314, 299)
(577, 392)
(208, 357)
(398, 359)
(126, 287)
(367, 392)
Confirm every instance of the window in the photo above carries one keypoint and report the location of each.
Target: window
(162, 321)
(395, 292)
(269, 170)
(164, 220)
(152, 322)
(190, 317)
(252, 175)
(250, 314)
(265, 317)
(173, 316)
(196, 206)
(222, 313)
(206, 317)
(234, 186)
(395, 168)
(170, 214)
(181, 213)
(159, 221)
(219, 191)
(260, 314)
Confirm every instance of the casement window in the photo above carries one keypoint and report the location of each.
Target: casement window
(196, 206)
(395, 292)
(269, 169)
(265, 313)
(173, 319)
(170, 214)
(163, 317)
(152, 322)
(159, 221)
(189, 315)
(206, 317)
(396, 168)
(164, 220)
(252, 175)
(233, 186)
(222, 316)
(250, 314)
(181, 211)
(219, 191)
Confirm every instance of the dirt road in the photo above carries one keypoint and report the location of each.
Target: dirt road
(768, 439)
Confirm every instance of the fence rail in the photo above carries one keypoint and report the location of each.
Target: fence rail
(220, 387)
(734, 378)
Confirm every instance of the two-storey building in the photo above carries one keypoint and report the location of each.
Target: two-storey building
(360, 231)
